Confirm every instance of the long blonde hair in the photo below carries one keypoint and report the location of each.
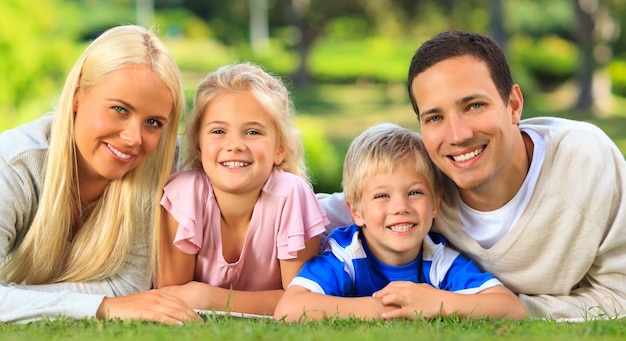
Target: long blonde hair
(271, 93)
(127, 209)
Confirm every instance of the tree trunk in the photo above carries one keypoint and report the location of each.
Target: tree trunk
(585, 46)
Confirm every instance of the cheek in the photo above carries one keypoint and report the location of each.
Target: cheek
(151, 141)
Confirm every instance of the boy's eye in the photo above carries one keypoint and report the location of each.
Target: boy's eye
(381, 196)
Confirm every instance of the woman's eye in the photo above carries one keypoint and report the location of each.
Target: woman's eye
(154, 123)
(119, 109)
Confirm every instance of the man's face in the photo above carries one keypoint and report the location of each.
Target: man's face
(469, 131)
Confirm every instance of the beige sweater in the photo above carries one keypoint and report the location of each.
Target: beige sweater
(566, 255)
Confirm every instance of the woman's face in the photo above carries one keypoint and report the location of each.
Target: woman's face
(119, 122)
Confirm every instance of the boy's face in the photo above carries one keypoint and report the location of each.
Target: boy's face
(397, 210)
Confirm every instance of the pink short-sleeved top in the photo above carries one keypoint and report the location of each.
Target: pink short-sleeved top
(286, 215)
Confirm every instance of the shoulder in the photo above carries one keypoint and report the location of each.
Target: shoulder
(345, 237)
(186, 182)
(558, 129)
(25, 138)
(564, 138)
(281, 182)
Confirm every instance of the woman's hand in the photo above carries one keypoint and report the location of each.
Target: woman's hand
(152, 305)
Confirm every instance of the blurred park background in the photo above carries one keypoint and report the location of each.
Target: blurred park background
(345, 60)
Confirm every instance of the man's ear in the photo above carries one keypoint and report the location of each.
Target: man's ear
(357, 216)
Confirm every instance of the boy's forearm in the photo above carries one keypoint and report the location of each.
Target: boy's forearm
(308, 306)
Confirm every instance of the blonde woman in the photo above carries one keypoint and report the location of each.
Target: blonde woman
(79, 188)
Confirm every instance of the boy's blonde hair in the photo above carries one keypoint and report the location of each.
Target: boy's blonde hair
(378, 150)
(127, 208)
(273, 96)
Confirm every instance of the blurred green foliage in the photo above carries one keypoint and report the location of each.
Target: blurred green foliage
(617, 73)
(366, 49)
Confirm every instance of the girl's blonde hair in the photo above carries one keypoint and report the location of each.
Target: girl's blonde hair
(271, 93)
(379, 149)
(128, 207)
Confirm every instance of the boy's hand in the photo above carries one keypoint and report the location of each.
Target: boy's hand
(411, 299)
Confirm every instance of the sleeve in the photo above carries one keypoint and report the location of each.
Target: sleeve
(13, 199)
(451, 271)
(464, 277)
(302, 218)
(18, 304)
(184, 197)
(601, 291)
(336, 210)
(324, 274)
(23, 303)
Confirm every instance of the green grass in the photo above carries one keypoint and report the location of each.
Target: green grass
(232, 328)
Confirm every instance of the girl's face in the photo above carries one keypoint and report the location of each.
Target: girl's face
(238, 144)
(119, 122)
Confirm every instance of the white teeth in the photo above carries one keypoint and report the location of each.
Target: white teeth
(401, 227)
(235, 164)
(467, 156)
(118, 153)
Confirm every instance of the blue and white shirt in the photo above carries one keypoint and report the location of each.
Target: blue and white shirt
(348, 268)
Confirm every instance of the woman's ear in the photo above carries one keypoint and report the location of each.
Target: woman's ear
(76, 100)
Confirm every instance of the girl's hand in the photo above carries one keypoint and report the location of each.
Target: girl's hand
(153, 305)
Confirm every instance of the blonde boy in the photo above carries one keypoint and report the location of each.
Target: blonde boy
(388, 265)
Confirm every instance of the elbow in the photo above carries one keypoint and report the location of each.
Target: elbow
(283, 313)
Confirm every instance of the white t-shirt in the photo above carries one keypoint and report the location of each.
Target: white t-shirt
(487, 228)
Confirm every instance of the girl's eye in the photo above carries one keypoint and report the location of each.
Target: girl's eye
(218, 131)
(416, 192)
(253, 132)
